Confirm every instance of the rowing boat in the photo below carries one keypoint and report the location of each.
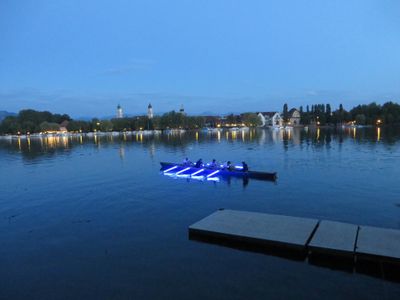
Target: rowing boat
(210, 173)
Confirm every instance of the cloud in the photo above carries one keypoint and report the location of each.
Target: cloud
(131, 66)
(311, 93)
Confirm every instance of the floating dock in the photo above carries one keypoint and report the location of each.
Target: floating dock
(257, 228)
(309, 235)
(378, 243)
(334, 238)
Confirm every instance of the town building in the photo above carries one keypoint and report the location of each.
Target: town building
(150, 111)
(294, 117)
(273, 119)
(120, 114)
(64, 125)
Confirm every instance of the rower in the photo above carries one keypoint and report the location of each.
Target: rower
(213, 164)
(186, 162)
(229, 166)
(245, 167)
(226, 165)
(199, 163)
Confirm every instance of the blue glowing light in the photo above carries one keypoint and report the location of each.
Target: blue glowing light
(170, 169)
(181, 171)
(197, 177)
(238, 167)
(182, 176)
(213, 179)
(213, 173)
(197, 172)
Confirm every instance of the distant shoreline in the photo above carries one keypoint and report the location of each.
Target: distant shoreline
(178, 131)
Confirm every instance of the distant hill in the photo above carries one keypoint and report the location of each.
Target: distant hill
(4, 114)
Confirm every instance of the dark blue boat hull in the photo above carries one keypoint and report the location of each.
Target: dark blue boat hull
(221, 172)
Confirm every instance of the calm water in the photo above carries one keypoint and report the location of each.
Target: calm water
(92, 218)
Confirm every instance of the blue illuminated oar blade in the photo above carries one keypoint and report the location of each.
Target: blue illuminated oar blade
(183, 170)
(197, 172)
(170, 169)
(213, 173)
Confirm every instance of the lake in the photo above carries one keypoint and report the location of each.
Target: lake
(92, 217)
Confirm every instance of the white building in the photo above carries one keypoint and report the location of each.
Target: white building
(182, 110)
(294, 117)
(273, 119)
(150, 111)
(120, 114)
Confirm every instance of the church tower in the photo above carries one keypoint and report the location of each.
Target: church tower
(150, 111)
(120, 114)
(182, 110)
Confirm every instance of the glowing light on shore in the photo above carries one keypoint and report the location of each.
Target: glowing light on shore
(378, 134)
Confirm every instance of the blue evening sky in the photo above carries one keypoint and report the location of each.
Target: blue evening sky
(85, 57)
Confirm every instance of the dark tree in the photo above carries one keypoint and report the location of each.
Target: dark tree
(285, 112)
(328, 113)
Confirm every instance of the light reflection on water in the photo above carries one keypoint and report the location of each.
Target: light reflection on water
(91, 217)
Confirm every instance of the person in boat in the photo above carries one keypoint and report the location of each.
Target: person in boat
(245, 167)
(213, 164)
(229, 166)
(186, 162)
(225, 165)
(199, 163)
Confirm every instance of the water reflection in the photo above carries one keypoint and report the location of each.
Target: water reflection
(34, 146)
(378, 134)
(122, 152)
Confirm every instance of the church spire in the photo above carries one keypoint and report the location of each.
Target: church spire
(120, 114)
(150, 111)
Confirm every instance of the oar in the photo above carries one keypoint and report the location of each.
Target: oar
(181, 171)
(197, 172)
(170, 169)
(213, 173)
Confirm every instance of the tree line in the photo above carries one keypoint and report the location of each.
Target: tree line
(31, 121)
(170, 120)
(366, 114)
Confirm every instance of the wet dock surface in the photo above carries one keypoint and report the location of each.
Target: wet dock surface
(326, 243)
(258, 227)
